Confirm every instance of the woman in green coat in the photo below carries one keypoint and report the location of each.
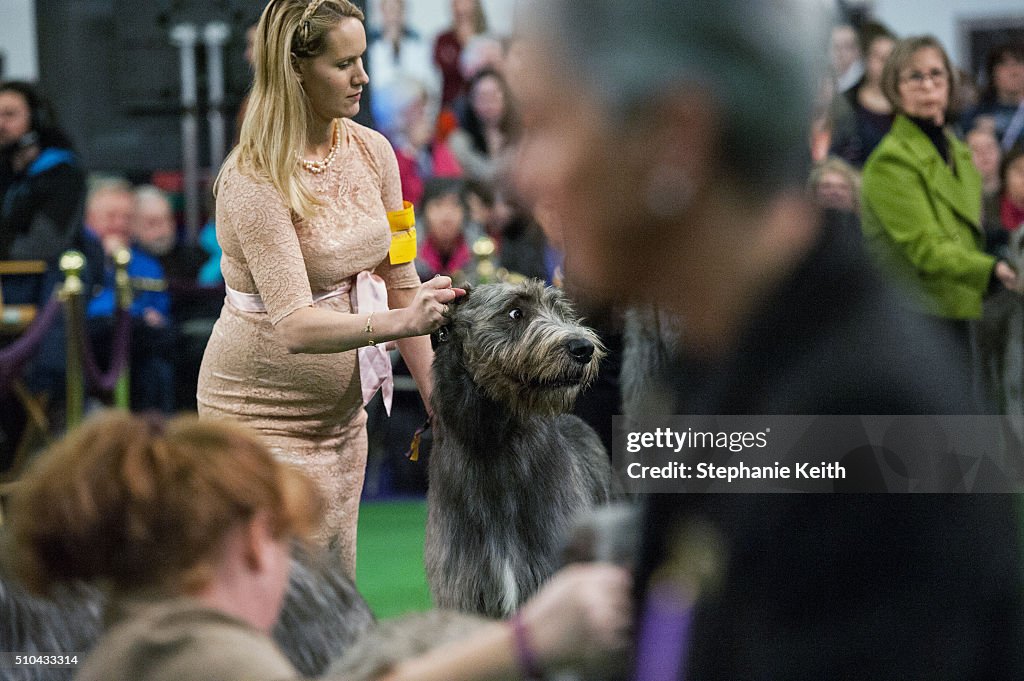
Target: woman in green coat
(922, 194)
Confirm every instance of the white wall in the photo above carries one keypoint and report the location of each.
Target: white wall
(18, 39)
(939, 17)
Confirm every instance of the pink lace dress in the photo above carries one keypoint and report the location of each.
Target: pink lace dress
(308, 407)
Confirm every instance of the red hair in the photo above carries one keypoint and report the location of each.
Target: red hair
(136, 502)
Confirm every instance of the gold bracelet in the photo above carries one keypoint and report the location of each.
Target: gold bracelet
(369, 330)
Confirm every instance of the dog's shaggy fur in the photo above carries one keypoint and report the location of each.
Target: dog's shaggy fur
(509, 471)
(387, 644)
(322, 613)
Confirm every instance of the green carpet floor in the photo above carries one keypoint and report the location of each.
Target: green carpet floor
(389, 567)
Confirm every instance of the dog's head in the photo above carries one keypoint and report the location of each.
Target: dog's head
(522, 344)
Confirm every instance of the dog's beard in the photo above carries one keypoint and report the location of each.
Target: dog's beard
(550, 394)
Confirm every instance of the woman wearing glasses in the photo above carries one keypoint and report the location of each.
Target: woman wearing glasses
(922, 194)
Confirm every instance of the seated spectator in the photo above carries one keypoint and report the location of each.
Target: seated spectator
(404, 113)
(489, 128)
(155, 231)
(194, 307)
(835, 184)
(1011, 204)
(1003, 94)
(468, 20)
(986, 154)
(483, 52)
(862, 115)
(109, 213)
(442, 224)
(846, 57)
(396, 50)
(42, 185)
(189, 526)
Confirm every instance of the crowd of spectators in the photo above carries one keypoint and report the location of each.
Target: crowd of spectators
(445, 106)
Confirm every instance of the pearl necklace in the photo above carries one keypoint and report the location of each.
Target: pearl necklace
(318, 167)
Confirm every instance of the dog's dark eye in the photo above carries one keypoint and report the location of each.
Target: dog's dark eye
(516, 313)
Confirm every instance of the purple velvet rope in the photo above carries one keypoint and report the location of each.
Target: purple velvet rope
(105, 382)
(15, 355)
(664, 637)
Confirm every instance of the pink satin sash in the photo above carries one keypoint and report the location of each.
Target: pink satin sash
(369, 295)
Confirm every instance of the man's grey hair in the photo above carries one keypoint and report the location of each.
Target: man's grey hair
(759, 63)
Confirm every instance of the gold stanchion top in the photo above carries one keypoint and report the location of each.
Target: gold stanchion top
(483, 247)
(122, 256)
(72, 262)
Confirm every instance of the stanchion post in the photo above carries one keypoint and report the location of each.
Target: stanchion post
(483, 255)
(185, 37)
(215, 35)
(71, 264)
(123, 286)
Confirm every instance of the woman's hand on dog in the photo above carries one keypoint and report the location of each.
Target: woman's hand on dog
(584, 613)
(427, 311)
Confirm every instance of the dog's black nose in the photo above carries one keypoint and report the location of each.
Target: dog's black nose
(581, 349)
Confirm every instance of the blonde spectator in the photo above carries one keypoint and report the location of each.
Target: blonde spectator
(835, 184)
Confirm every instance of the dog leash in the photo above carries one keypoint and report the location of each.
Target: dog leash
(413, 454)
(666, 625)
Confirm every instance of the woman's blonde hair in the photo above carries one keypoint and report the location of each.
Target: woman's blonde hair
(274, 131)
(837, 165)
(133, 502)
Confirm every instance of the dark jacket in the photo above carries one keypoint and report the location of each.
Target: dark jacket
(815, 586)
(41, 208)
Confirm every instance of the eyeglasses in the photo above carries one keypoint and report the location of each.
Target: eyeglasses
(917, 79)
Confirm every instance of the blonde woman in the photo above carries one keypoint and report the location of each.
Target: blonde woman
(303, 207)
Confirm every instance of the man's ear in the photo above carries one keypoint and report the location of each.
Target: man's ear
(679, 153)
(257, 535)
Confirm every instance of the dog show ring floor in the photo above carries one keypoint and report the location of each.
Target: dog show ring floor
(389, 557)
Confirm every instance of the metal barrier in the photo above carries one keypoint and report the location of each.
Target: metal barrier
(82, 367)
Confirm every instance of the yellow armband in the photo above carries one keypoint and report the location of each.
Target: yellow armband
(403, 234)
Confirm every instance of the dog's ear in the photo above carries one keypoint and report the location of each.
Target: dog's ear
(468, 289)
(444, 334)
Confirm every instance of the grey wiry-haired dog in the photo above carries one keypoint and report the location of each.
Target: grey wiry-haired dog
(509, 470)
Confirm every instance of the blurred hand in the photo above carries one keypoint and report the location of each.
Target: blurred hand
(1008, 276)
(153, 318)
(584, 613)
(427, 310)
